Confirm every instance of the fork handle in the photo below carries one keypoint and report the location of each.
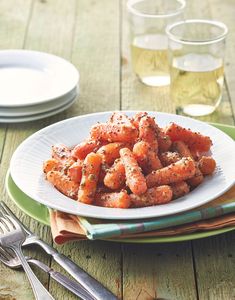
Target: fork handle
(39, 290)
(96, 289)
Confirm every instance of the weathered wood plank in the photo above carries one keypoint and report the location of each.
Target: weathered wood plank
(96, 54)
(158, 272)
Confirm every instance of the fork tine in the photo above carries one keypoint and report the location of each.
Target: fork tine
(6, 253)
(6, 222)
(12, 222)
(3, 226)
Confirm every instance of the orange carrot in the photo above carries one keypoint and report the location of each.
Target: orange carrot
(134, 178)
(195, 140)
(110, 152)
(60, 152)
(114, 200)
(146, 157)
(137, 117)
(207, 165)
(75, 171)
(179, 171)
(113, 132)
(164, 141)
(147, 132)
(81, 150)
(120, 118)
(115, 177)
(179, 189)
(90, 175)
(153, 196)
(51, 164)
(63, 183)
(184, 151)
(168, 158)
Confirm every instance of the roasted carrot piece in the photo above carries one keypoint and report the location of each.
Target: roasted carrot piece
(207, 165)
(195, 140)
(81, 150)
(103, 170)
(90, 175)
(137, 117)
(184, 151)
(75, 171)
(146, 157)
(114, 200)
(168, 158)
(110, 152)
(164, 141)
(112, 132)
(179, 171)
(51, 164)
(153, 196)
(63, 183)
(134, 178)
(120, 118)
(115, 177)
(179, 189)
(60, 152)
(147, 131)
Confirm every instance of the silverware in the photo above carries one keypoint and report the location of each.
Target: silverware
(92, 286)
(12, 236)
(9, 258)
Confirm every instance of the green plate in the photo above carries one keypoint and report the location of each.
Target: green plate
(40, 212)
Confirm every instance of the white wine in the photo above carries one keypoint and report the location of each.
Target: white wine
(196, 83)
(150, 59)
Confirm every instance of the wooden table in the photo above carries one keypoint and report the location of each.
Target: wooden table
(93, 35)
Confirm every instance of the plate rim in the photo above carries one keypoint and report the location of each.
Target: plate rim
(49, 55)
(106, 210)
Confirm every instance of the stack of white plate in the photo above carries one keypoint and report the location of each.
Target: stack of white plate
(35, 85)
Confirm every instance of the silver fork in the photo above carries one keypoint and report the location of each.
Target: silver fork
(12, 236)
(8, 257)
(91, 285)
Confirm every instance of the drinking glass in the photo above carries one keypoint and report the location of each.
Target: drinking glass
(148, 20)
(196, 56)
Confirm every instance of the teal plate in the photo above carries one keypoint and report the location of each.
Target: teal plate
(40, 212)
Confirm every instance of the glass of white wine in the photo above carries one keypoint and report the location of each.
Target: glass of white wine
(148, 20)
(196, 55)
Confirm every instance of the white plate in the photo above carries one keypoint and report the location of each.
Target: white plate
(26, 168)
(39, 116)
(38, 108)
(31, 77)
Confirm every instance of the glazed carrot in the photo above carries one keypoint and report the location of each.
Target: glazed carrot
(179, 189)
(120, 118)
(207, 165)
(103, 170)
(110, 152)
(168, 158)
(115, 177)
(90, 175)
(63, 183)
(60, 152)
(184, 151)
(164, 141)
(134, 178)
(137, 117)
(146, 157)
(179, 171)
(114, 200)
(51, 164)
(81, 150)
(195, 140)
(75, 171)
(113, 132)
(147, 131)
(153, 196)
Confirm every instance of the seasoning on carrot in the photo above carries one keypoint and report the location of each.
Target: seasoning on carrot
(179, 171)
(195, 140)
(115, 177)
(179, 189)
(81, 150)
(114, 200)
(90, 175)
(60, 152)
(110, 152)
(75, 171)
(51, 164)
(168, 158)
(63, 183)
(134, 178)
(154, 196)
(207, 165)
(147, 132)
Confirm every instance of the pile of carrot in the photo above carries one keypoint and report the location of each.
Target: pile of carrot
(131, 162)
